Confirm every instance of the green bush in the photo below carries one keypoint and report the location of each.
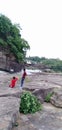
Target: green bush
(48, 97)
(29, 103)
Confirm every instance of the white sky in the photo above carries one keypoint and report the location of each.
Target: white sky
(41, 22)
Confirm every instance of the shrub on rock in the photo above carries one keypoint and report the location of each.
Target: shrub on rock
(29, 103)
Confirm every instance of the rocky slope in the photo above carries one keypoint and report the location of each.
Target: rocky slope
(50, 118)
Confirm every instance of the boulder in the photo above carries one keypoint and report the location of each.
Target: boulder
(56, 99)
(42, 93)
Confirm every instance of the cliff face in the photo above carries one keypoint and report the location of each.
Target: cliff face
(9, 64)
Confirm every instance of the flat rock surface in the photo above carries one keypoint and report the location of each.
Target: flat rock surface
(49, 118)
(8, 112)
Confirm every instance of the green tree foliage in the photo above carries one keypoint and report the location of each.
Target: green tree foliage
(54, 64)
(34, 59)
(11, 42)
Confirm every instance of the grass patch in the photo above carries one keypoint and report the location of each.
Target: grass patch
(48, 97)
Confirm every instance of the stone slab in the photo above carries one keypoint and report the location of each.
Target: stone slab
(8, 112)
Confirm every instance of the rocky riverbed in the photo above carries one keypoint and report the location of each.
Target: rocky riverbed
(50, 118)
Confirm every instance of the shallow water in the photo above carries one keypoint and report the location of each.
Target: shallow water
(29, 71)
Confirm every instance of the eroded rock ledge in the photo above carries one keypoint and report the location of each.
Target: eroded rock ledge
(40, 86)
(10, 104)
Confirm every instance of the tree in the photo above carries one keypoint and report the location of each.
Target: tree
(11, 43)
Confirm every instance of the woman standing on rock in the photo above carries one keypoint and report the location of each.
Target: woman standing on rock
(23, 78)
